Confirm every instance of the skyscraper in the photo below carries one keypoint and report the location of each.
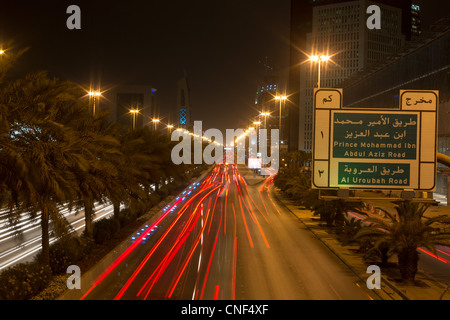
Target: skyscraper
(302, 25)
(183, 104)
(340, 31)
(416, 25)
(123, 99)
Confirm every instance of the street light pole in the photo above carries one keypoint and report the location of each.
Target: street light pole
(257, 124)
(318, 59)
(94, 94)
(134, 112)
(279, 120)
(265, 115)
(155, 122)
(318, 80)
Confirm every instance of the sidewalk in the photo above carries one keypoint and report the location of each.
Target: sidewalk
(426, 288)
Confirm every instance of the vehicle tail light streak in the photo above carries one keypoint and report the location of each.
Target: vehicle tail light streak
(201, 232)
(143, 235)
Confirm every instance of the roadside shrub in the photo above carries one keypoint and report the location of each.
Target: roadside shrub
(105, 229)
(66, 251)
(23, 280)
(126, 217)
(163, 192)
(348, 230)
(155, 199)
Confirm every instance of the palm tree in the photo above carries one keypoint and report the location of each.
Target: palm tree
(333, 211)
(95, 174)
(133, 167)
(42, 148)
(403, 233)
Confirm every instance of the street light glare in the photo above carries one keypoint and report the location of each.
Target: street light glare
(155, 120)
(2, 51)
(315, 58)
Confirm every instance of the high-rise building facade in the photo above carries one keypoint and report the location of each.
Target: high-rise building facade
(122, 99)
(340, 31)
(301, 26)
(265, 97)
(268, 108)
(183, 104)
(416, 25)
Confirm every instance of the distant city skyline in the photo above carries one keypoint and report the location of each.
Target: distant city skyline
(219, 45)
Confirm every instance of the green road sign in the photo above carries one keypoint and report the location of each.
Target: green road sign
(375, 148)
(374, 135)
(370, 174)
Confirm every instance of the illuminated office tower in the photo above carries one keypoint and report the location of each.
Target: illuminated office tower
(183, 104)
(340, 31)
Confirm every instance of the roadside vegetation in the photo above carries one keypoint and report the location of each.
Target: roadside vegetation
(380, 239)
(55, 153)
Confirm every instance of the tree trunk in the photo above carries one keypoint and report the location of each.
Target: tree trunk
(384, 252)
(116, 208)
(408, 259)
(45, 238)
(88, 213)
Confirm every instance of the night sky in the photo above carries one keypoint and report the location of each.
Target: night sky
(218, 44)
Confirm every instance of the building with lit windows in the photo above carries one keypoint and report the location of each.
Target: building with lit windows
(301, 27)
(122, 99)
(340, 31)
(265, 97)
(416, 25)
(183, 104)
(267, 106)
(423, 64)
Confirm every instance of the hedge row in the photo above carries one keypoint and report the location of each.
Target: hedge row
(25, 280)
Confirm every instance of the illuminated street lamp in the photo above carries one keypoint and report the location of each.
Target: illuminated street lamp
(155, 122)
(134, 112)
(281, 98)
(265, 115)
(318, 59)
(2, 51)
(94, 94)
(169, 126)
(257, 124)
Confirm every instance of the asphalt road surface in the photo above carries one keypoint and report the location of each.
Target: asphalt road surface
(226, 239)
(21, 242)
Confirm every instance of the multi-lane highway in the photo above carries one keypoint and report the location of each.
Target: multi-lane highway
(22, 241)
(226, 239)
